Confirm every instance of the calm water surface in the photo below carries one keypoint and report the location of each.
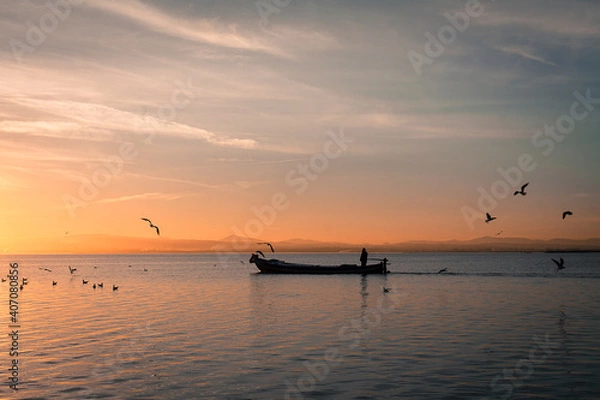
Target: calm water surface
(497, 326)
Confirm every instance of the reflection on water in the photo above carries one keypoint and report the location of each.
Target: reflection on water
(202, 326)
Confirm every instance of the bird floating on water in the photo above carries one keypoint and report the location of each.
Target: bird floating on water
(386, 290)
(84, 281)
(54, 283)
(559, 264)
(566, 213)
(268, 244)
(115, 287)
(101, 284)
(522, 192)
(152, 225)
(442, 270)
(489, 218)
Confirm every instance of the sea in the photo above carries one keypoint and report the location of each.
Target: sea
(210, 326)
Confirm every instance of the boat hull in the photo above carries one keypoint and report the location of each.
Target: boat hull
(273, 266)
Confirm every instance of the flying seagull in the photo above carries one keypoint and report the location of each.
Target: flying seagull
(152, 225)
(268, 244)
(522, 192)
(442, 270)
(489, 218)
(71, 270)
(567, 213)
(559, 264)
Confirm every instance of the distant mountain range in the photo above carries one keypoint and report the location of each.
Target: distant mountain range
(120, 244)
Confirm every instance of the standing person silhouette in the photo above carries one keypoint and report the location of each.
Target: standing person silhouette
(363, 257)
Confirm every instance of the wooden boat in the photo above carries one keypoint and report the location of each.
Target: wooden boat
(273, 266)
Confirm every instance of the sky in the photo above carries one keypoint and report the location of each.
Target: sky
(353, 121)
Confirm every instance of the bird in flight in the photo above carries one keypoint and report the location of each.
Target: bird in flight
(522, 192)
(71, 270)
(567, 213)
(559, 264)
(152, 225)
(489, 218)
(268, 244)
(442, 270)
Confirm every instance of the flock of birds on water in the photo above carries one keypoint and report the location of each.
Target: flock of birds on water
(72, 271)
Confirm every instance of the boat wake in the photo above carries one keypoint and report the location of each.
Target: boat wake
(501, 274)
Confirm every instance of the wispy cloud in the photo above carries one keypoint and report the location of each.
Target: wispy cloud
(524, 53)
(176, 180)
(143, 196)
(566, 20)
(205, 31)
(109, 118)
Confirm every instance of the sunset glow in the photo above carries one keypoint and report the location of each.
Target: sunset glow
(331, 121)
